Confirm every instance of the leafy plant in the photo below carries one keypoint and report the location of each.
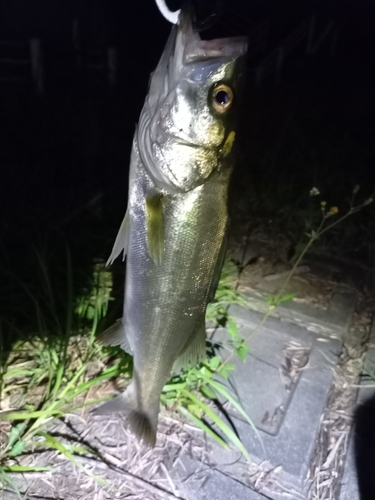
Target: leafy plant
(184, 392)
(226, 295)
(59, 366)
(313, 233)
(181, 394)
(60, 363)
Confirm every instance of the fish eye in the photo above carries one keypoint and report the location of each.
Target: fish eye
(222, 98)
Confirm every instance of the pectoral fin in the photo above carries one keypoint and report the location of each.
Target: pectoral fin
(115, 335)
(195, 351)
(227, 148)
(155, 227)
(122, 240)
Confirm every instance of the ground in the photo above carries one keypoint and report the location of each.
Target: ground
(297, 385)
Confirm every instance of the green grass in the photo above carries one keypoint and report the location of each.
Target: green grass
(55, 369)
(63, 361)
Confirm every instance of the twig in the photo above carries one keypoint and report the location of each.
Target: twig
(136, 480)
(333, 452)
(13, 496)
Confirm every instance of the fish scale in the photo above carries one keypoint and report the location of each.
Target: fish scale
(176, 222)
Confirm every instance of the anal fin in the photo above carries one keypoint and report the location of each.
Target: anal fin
(196, 350)
(115, 335)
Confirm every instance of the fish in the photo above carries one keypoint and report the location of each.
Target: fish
(175, 228)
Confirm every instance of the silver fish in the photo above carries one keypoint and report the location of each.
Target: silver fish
(175, 226)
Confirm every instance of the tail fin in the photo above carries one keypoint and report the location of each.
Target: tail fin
(142, 427)
(142, 422)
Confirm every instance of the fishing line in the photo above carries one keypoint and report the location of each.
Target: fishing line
(170, 16)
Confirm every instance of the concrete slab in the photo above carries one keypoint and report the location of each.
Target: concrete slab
(208, 483)
(260, 391)
(333, 321)
(221, 487)
(283, 386)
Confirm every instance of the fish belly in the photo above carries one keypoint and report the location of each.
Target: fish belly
(164, 302)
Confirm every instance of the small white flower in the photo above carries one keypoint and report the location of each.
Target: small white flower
(314, 191)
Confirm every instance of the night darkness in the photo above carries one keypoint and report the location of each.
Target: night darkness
(65, 150)
(75, 139)
(65, 153)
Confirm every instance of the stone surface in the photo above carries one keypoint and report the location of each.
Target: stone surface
(212, 485)
(221, 487)
(333, 321)
(283, 385)
(265, 388)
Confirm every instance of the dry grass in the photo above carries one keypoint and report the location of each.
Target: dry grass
(329, 457)
(129, 470)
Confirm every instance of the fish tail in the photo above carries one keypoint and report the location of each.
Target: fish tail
(141, 425)
(142, 422)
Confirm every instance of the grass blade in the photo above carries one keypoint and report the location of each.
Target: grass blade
(222, 390)
(219, 422)
(199, 423)
(54, 443)
(26, 468)
(72, 382)
(5, 479)
(26, 415)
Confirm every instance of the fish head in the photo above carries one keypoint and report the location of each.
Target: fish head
(187, 125)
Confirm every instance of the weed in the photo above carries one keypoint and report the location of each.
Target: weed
(313, 233)
(63, 366)
(55, 372)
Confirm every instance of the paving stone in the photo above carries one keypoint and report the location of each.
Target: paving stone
(221, 487)
(292, 446)
(260, 383)
(212, 485)
(333, 321)
(269, 343)
(287, 416)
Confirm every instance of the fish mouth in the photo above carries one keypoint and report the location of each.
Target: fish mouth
(184, 142)
(190, 48)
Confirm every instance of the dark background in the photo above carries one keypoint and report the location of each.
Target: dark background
(79, 130)
(65, 153)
